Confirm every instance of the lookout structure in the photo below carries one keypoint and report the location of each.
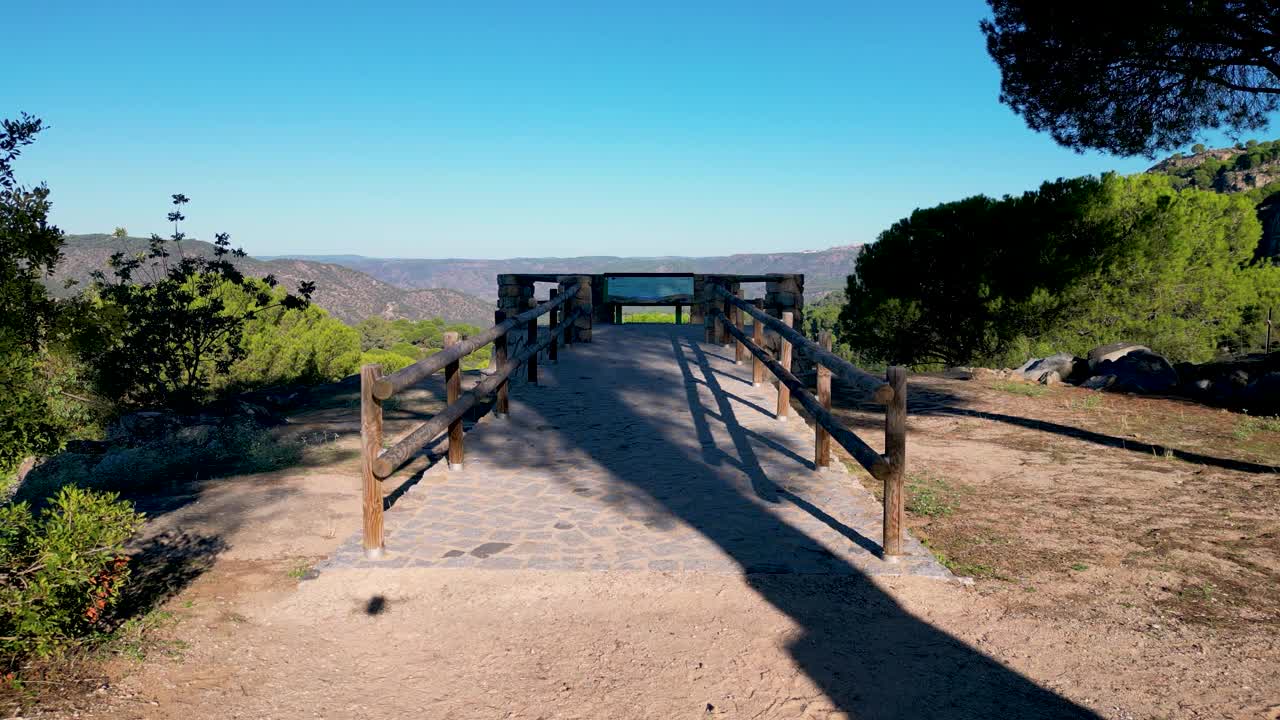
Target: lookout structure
(581, 419)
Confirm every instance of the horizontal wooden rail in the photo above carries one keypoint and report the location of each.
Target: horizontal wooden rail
(385, 387)
(399, 454)
(879, 390)
(874, 462)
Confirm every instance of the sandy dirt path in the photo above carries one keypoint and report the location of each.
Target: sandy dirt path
(250, 639)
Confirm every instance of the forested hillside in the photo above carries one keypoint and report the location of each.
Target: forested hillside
(347, 294)
(824, 270)
(1251, 169)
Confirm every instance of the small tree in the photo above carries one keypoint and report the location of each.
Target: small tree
(168, 336)
(30, 247)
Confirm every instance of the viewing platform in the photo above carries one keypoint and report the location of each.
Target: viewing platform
(647, 448)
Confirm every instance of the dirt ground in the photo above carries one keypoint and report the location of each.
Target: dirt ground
(1123, 552)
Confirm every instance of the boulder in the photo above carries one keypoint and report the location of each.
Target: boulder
(1262, 396)
(1112, 351)
(1066, 366)
(197, 434)
(144, 426)
(1139, 371)
(1051, 377)
(1098, 382)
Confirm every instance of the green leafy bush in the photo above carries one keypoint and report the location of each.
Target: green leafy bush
(389, 361)
(61, 571)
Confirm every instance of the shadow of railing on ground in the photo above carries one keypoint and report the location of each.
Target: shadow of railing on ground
(868, 654)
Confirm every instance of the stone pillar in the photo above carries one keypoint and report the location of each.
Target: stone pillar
(696, 308)
(585, 300)
(786, 292)
(514, 294)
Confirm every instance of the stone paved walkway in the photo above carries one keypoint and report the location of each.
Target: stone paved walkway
(646, 449)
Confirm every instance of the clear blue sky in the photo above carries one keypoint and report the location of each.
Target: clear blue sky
(500, 129)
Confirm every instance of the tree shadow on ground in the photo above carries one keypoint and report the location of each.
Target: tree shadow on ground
(867, 653)
(163, 566)
(932, 402)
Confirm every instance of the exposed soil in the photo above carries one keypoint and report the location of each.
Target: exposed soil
(1110, 573)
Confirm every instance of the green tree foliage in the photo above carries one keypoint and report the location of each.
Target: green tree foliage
(824, 316)
(394, 344)
(35, 414)
(287, 345)
(60, 571)
(1136, 80)
(164, 330)
(1182, 278)
(1075, 264)
(377, 333)
(389, 361)
(957, 282)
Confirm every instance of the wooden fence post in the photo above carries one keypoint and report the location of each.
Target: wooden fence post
(822, 443)
(757, 337)
(370, 446)
(739, 350)
(784, 357)
(453, 389)
(895, 450)
(553, 356)
(679, 309)
(501, 405)
(531, 338)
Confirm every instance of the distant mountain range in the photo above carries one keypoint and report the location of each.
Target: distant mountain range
(825, 270)
(348, 294)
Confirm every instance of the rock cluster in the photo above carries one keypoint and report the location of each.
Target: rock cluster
(1249, 383)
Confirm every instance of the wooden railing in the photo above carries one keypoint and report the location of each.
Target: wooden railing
(890, 392)
(377, 463)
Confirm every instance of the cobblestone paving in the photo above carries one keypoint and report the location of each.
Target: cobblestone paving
(643, 450)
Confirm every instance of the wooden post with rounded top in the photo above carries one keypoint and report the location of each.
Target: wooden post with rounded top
(453, 390)
(895, 450)
(502, 403)
(739, 350)
(553, 356)
(822, 442)
(784, 358)
(370, 446)
(531, 338)
(757, 337)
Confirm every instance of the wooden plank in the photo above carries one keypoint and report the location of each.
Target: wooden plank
(398, 454)
(822, 439)
(502, 404)
(415, 373)
(552, 353)
(879, 390)
(868, 458)
(784, 359)
(530, 340)
(757, 336)
(895, 447)
(370, 446)
(453, 389)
